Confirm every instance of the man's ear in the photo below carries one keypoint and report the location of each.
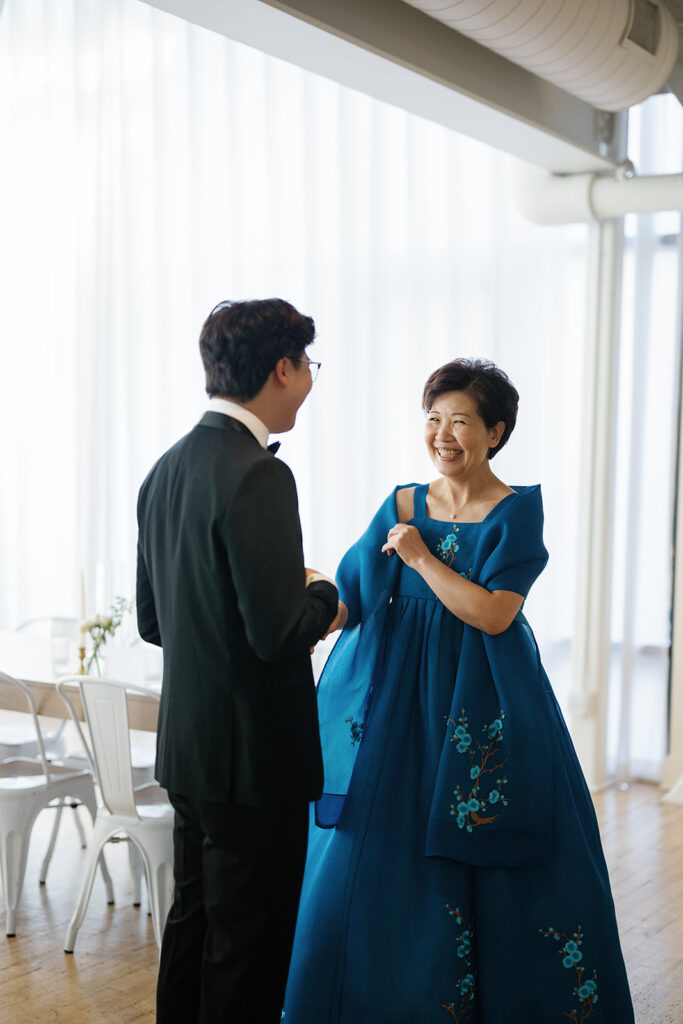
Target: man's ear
(281, 372)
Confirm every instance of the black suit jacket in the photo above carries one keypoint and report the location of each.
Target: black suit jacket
(220, 586)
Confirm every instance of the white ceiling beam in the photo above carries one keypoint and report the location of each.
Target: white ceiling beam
(395, 53)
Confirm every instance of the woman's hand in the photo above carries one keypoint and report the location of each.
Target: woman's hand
(340, 619)
(338, 622)
(407, 543)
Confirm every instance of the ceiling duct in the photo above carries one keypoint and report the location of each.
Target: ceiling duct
(611, 53)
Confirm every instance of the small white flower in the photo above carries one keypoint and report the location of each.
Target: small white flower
(100, 627)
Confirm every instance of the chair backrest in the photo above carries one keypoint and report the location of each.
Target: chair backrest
(106, 713)
(7, 680)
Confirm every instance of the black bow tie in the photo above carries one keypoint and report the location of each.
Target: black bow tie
(274, 447)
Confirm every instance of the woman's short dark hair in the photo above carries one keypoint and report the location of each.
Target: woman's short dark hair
(241, 342)
(491, 388)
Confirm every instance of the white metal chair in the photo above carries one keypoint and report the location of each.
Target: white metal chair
(19, 739)
(142, 815)
(27, 785)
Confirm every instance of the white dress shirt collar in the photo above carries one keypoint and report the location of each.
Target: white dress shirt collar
(238, 412)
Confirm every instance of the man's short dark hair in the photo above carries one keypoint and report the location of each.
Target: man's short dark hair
(491, 388)
(241, 343)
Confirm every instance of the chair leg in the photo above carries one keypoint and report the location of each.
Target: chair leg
(158, 859)
(53, 838)
(79, 826)
(14, 840)
(51, 845)
(162, 886)
(136, 869)
(87, 797)
(106, 878)
(100, 836)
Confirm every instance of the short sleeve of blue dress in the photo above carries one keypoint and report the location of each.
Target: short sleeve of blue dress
(512, 553)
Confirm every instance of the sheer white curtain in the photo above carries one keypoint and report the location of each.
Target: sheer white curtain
(649, 387)
(150, 169)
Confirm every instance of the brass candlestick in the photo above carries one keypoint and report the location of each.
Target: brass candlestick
(81, 659)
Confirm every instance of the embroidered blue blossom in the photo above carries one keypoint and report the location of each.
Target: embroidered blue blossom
(467, 983)
(448, 546)
(474, 808)
(464, 948)
(464, 739)
(356, 730)
(586, 989)
(574, 954)
(495, 730)
(462, 1012)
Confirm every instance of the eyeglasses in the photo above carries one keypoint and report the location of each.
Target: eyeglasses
(312, 365)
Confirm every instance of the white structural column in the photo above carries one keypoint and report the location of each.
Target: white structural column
(634, 436)
(591, 647)
(672, 769)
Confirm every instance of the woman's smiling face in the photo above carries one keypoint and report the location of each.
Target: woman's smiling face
(457, 438)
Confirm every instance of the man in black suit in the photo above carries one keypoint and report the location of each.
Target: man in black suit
(222, 588)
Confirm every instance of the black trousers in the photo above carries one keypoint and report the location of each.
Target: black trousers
(228, 938)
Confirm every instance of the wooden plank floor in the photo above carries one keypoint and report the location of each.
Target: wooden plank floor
(643, 842)
(111, 975)
(110, 978)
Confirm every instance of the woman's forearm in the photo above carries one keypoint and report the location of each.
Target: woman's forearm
(475, 605)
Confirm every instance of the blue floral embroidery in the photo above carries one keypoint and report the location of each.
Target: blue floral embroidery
(474, 808)
(448, 546)
(466, 984)
(446, 550)
(586, 989)
(357, 729)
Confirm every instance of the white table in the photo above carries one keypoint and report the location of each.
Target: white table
(38, 662)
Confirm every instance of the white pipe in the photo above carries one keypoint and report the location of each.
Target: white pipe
(610, 53)
(585, 198)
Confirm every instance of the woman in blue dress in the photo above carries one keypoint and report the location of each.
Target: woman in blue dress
(455, 870)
